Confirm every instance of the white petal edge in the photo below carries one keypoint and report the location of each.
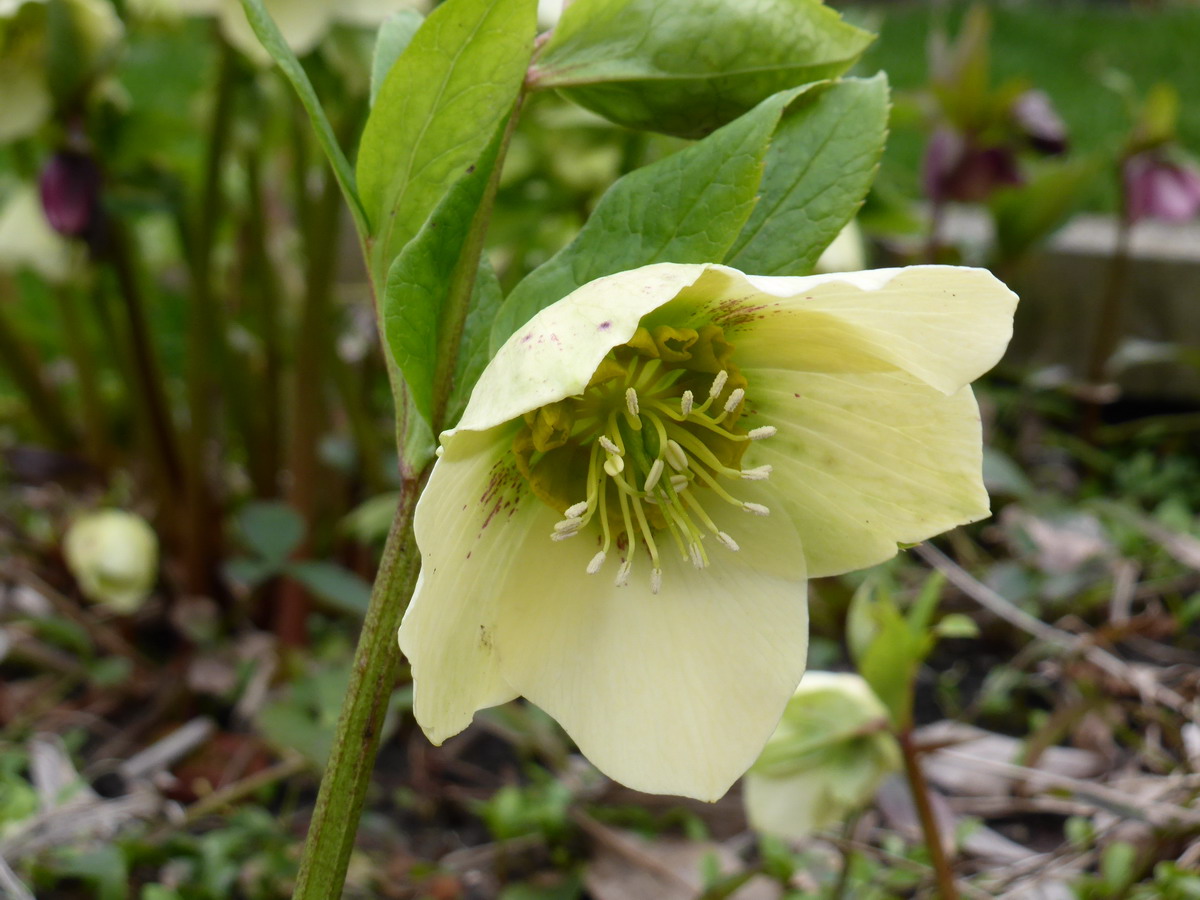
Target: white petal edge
(470, 523)
(674, 693)
(863, 462)
(554, 355)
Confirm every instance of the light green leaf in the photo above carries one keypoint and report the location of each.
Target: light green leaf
(687, 208)
(338, 588)
(819, 167)
(956, 625)
(272, 39)
(394, 36)
(436, 111)
(686, 67)
(891, 661)
(418, 282)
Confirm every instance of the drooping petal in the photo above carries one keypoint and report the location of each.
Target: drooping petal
(555, 353)
(944, 324)
(470, 523)
(864, 461)
(674, 692)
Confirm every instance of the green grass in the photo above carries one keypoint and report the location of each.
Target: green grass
(1062, 48)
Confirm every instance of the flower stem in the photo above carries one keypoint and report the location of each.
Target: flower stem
(25, 370)
(933, 838)
(373, 678)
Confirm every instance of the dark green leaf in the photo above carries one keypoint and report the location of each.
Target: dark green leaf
(418, 282)
(687, 208)
(819, 167)
(436, 111)
(686, 67)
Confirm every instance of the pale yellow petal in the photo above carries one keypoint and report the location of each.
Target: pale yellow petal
(302, 22)
(863, 461)
(366, 13)
(28, 241)
(674, 692)
(470, 523)
(946, 325)
(555, 353)
(26, 104)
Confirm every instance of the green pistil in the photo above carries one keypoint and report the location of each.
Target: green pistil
(648, 442)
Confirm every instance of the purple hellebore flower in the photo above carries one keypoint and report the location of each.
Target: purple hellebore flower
(1156, 188)
(956, 168)
(1039, 121)
(70, 188)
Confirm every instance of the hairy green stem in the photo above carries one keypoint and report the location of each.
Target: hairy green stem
(929, 826)
(372, 680)
(377, 660)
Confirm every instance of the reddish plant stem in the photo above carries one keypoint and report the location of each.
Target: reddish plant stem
(929, 826)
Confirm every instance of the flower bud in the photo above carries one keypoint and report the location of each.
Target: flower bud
(113, 555)
(824, 761)
(70, 187)
(1157, 188)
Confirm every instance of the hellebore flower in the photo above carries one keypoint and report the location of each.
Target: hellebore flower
(1034, 114)
(956, 167)
(1158, 188)
(113, 555)
(824, 761)
(32, 75)
(621, 526)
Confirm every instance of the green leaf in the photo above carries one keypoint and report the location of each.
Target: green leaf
(338, 588)
(414, 305)
(685, 67)
(473, 354)
(272, 39)
(956, 625)
(891, 661)
(820, 165)
(272, 530)
(436, 111)
(1028, 214)
(687, 208)
(394, 36)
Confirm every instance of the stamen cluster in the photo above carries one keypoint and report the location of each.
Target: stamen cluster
(648, 454)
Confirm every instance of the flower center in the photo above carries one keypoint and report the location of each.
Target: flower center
(651, 441)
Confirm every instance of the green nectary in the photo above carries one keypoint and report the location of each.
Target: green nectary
(644, 447)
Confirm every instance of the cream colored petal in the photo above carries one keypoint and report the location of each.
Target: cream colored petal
(673, 693)
(366, 13)
(865, 461)
(947, 325)
(26, 103)
(302, 22)
(27, 240)
(471, 522)
(556, 352)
